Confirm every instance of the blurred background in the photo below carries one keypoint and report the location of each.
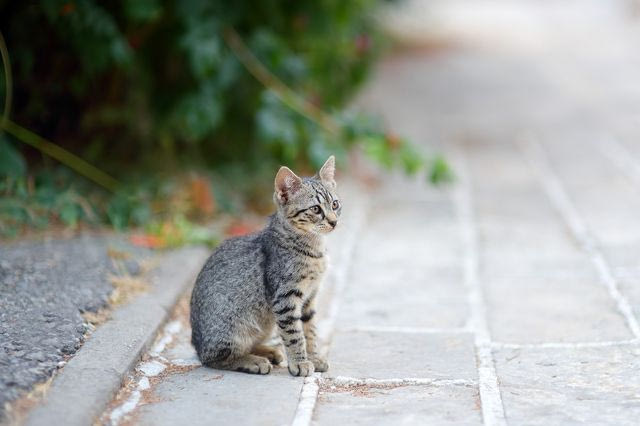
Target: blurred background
(160, 114)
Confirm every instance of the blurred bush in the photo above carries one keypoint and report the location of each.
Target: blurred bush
(144, 80)
(142, 86)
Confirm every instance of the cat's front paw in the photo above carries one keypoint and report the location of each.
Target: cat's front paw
(319, 364)
(301, 368)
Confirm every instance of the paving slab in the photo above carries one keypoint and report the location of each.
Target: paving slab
(625, 131)
(522, 305)
(596, 386)
(390, 251)
(496, 167)
(607, 200)
(428, 296)
(389, 355)
(520, 233)
(204, 396)
(552, 309)
(630, 288)
(517, 266)
(509, 247)
(519, 238)
(406, 405)
(624, 258)
(525, 204)
(409, 235)
(181, 390)
(411, 217)
(397, 189)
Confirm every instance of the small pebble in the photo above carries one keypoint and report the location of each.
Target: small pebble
(151, 368)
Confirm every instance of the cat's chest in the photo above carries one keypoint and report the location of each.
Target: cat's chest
(312, 274)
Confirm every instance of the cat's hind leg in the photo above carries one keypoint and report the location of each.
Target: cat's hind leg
(272, 353)
(233, 348)
(227, 359)
(249, 363)
(235, 353)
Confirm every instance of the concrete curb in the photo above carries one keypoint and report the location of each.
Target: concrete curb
(84, 387)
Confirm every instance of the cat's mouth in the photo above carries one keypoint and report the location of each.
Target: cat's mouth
(328, 229)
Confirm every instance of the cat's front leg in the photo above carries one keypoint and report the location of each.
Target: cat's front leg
(287, 308)
(309, 328)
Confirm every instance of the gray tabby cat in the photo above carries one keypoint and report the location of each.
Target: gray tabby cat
(252, 283)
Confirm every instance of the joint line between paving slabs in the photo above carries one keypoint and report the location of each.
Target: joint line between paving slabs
(621, 157)
(558, 196)
(565, 345)
(310, 387)
(408, 381)
(408, 330)
(491, 400)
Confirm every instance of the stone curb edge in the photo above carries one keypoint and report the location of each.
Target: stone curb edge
(81, 391)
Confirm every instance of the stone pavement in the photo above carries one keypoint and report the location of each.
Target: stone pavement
(511, 297)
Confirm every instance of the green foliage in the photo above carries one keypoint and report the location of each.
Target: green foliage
(150, 79)
(44, 198)
(156, 83)
(440, 171)
(12, 165)
(177, 232)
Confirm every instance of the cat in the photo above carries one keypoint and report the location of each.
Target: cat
(254, 283)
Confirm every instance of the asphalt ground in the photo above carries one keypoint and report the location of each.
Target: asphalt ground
(45, 288)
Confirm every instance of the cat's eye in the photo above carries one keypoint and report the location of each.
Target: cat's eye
(335, 204)
(316, 209)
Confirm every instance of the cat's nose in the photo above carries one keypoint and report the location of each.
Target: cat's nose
(333, 223)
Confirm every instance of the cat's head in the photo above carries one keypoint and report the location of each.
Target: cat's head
(309, 204)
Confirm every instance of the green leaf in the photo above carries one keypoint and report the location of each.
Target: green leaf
(411, 160)
(276, 124)
(140, 213)
(118, 212)
(70, 213)
(203, 47)
(12, 163)
(198, 113)
(376, 147)
(440, 171)
(319, 150)
(142, 10)
(12, 208)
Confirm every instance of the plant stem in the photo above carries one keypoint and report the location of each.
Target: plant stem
(49, 148)
(6, 63)
(269, 80)
(62, 155)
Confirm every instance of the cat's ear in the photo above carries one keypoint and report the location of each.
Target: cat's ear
(287, 183)
(327, 171)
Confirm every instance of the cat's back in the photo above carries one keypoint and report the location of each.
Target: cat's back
(233, 260)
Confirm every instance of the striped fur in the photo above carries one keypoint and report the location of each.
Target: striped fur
(267, 281)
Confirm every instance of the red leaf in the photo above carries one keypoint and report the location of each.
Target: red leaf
(148, 241)
(239, 229)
